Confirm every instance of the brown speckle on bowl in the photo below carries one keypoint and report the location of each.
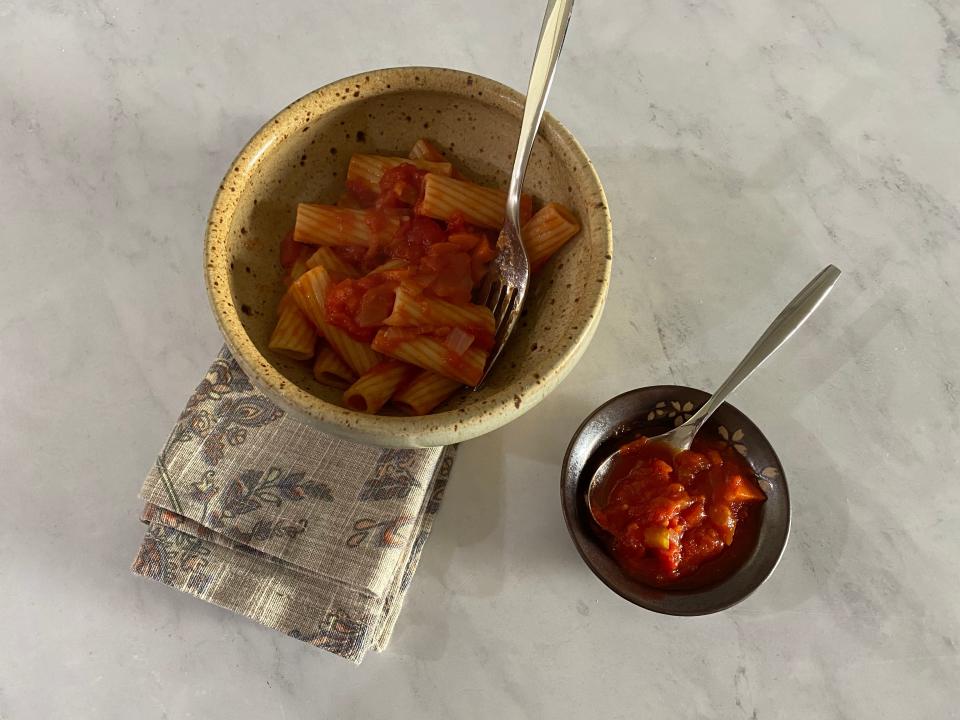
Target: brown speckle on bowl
(270, 171)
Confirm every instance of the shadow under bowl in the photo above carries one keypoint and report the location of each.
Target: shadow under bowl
(650, 411)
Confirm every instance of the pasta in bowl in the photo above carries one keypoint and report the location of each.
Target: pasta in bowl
(380, 284)
(348, 235)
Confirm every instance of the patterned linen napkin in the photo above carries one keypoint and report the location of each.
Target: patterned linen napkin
(258, 513)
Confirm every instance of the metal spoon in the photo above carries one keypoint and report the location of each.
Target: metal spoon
(681, 437)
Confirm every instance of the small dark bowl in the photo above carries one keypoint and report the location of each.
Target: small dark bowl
(650, 411)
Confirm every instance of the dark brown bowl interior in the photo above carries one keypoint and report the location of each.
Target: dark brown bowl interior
(650, 411)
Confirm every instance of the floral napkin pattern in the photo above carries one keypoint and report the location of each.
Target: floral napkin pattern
(305, 533)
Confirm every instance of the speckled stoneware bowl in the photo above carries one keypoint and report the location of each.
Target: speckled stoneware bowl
(301, 155)
(650, 411)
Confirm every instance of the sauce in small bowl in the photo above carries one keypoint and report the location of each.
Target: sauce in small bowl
(673, 518)
(729, 555)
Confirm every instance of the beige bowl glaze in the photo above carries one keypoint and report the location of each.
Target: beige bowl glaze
(302, 154)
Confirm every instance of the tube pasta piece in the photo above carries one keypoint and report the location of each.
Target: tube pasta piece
(445, 198)
(426, 234)
(424, 393)
(372, 390)
(358, 355)
(332, 225)
(327, 258)
(294, 335)
(299, 266)
(390, 266)
(310, 293)
(330, 369)
(365, 171)
(430, 353)
(547, 231)
(298, 269)
(423, 149)
(411, 310)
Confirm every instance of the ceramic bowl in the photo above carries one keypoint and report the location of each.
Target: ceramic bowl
(302, 155)
(650, 411)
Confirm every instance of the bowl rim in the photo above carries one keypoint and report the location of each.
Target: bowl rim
(571, 512)
(351, 424)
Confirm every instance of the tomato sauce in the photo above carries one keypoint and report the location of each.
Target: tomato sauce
(360, 306)
(674, 518)
(400, 186)
(442, 261)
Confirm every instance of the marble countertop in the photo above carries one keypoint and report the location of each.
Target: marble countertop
(743, 145)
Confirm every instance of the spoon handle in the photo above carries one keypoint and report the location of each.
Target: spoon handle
(554, 29)
(785, 324)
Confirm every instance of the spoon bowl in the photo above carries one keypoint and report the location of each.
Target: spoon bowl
(652, 411)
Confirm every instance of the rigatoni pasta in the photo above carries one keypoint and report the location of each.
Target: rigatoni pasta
(330, 369)
(334, 264)
(366, 171)
(446, 198)
(423, 149)
(424, 393)
(332, 225)
(547, 231)
(385, 277)
(294, 335)
(372, 390)
(419, 310)
(310, 293)
(430, 353)
(358, 355)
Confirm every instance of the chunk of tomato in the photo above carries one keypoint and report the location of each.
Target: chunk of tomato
(415, 238)
(376, 305)
(400, 186)
(454, 281)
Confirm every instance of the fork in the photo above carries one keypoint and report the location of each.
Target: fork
(504, 288)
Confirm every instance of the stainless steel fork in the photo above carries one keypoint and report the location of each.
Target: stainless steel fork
(504, 288)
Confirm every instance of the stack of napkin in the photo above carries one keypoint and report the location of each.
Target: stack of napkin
(258, 513)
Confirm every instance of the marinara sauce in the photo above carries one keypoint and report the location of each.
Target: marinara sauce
(442, 260)
(673, 518)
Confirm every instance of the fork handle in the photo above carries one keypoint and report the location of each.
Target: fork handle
(554, 28)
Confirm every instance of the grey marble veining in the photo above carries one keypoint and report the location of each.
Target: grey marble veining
(743, 145)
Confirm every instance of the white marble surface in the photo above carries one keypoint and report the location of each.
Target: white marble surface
(743, 146)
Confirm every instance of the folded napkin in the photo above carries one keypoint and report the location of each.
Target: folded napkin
(305, 533)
